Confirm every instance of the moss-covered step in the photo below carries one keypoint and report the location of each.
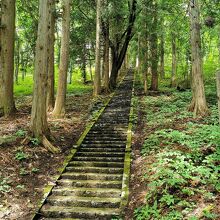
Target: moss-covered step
(91, 192)
(76, 201)
(91, 176)
(96, 170)
(80, 212)
(100, 159)
(90, 183)
(96, 163)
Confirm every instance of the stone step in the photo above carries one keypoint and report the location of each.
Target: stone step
(90, 192)
(75, 201)
(96, 170)
(93, 141)
(99, 154)
(101, 159)
(90, 183)
(103, 145)
(112, 132)
(80, 212)
(63, 218)
(103, 149)
(90, 176)
(105, 137)
(96, 164)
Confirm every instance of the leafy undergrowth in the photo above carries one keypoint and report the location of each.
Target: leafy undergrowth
(182, 155)
(25, 166)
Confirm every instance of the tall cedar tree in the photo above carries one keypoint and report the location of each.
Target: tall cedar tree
(59, 110)
(7, 42)
(198, 104)
(39, 123)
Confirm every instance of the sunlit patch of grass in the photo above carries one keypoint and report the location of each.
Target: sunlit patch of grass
(25, 87)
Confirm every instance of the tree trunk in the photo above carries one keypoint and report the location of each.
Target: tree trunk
(50, 91)
(162, 52)
(153, 49)
(70, 72)
(97, 78)
(146, 65)
(106, 59)
(84, 64)
(7, 40)
(39, 125)
(174, 61)
(219, 46)
(218, 92)
(17, 59)
(59, 110)
(119, 52)
(198, 104)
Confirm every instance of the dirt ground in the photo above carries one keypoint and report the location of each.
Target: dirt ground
(26, 168)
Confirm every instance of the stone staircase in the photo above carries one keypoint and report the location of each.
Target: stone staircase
(91, 185)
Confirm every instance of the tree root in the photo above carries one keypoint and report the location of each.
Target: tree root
(46, 143)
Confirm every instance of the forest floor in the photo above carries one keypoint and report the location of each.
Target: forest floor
(26, 168)
(175, 167)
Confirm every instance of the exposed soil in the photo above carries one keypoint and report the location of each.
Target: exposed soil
(26, 178)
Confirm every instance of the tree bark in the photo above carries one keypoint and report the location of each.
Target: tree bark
(50, 91)
(154, 52)
(174, 61)
(84, 64)
(198, 104)
(7, 41)
(17, 58)
(146, 64)
(39, 123)
(59, 110)
(106, 58)
(218, 92)
(97, 78)
(118, 53)
(162, 52)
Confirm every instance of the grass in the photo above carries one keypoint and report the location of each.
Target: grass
(25, 87)
(183, 176)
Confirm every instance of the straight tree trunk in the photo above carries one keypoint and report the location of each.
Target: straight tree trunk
(106, 59)
(218, 92)
(7, 41)
(146, 65)
(219, 46)
(97, 78)
(84, 64)
(154, 52)
(39, 125)
(70, 72)
(59, 110)
(174, 61)
(198, 104)
(162, 52)
(50, 91)
(17, 59)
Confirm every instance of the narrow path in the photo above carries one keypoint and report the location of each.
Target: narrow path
(91, 185)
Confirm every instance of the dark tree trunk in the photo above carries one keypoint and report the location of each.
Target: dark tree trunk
(118, 53)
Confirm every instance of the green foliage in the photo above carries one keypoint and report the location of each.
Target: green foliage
(4, 185)
(20, 155)
(186, 155)
(35, 141)
(23, 172)
(35, 170)
(20, 133)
